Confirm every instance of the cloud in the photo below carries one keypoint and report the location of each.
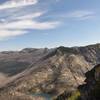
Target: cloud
(81, 14)
(17, 3)
(28, 24)
(30, 16)
(20, 19)
(7, 33)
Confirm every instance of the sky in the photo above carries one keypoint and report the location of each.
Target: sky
(48, 23)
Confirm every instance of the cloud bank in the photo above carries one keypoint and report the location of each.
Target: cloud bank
(17, 3)
(19, 18)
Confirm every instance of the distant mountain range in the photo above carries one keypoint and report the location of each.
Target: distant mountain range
(50, 74)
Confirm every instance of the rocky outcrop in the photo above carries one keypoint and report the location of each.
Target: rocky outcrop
(50, 71)
(91, 90)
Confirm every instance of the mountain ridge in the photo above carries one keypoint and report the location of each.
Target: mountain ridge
(50, 71)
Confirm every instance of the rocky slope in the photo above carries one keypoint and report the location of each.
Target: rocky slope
(49, 71)
(91, 90)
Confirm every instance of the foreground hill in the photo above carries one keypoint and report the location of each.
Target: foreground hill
(45, 73)
(91, 90)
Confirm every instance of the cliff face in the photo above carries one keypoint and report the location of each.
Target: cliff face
(91, 90)
(50, 71)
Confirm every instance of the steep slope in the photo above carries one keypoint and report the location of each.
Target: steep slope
(50, 71)
(13, 63)
(91, 90)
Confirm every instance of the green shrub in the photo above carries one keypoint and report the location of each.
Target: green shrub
(75, 96)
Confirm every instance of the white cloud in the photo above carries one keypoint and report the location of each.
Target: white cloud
(28, 24)
(81, 14)
(30, 16)
(17, 3)
(7, 33)
(18, 21)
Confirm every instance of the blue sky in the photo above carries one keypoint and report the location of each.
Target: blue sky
(48, 23)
